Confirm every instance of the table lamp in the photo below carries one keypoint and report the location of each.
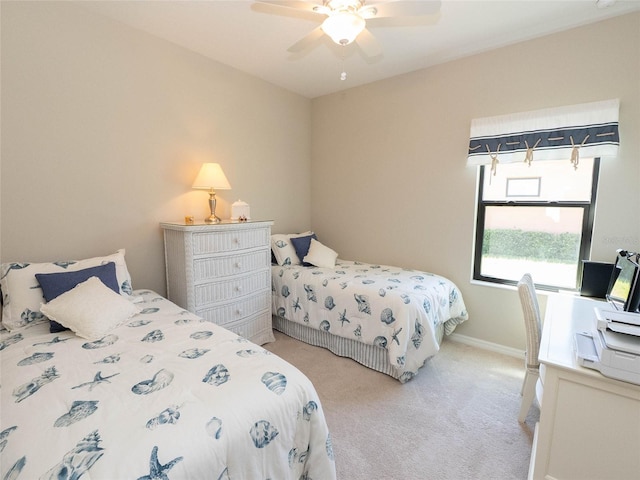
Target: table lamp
(212, 178)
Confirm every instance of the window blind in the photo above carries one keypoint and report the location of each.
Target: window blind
(588, 129)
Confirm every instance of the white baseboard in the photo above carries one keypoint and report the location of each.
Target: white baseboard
(494, 347)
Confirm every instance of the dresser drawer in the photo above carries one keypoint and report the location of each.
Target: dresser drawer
(232, 312)
(229, 241)
(231, 288)
(212, 268)
(257, 328)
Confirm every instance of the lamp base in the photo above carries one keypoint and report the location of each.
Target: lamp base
(213, 218)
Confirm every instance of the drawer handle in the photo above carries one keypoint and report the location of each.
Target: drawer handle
(238, 311)
(238, 264)
(238, 288)
(236, 240)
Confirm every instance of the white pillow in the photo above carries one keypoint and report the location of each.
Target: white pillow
(90, 309)
(22, 295)
(283, 250)
(320, 255)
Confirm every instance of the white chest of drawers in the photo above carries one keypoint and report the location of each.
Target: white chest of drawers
(222, 273)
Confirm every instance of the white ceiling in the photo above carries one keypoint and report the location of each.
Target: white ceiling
(237, 34)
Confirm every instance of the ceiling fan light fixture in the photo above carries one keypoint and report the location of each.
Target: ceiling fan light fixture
(343, 27)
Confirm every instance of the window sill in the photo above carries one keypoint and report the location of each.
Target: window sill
(513, 288)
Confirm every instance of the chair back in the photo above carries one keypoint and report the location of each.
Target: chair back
(532, 323)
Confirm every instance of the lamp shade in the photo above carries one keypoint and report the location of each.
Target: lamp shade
(343, 27)
(211, 176)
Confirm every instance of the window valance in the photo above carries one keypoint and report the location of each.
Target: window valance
(588, 129)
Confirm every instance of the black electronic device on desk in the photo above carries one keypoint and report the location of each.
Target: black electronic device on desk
(595, 278)
(624, 289)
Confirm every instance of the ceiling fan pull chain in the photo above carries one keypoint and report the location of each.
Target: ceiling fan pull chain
(343, 73)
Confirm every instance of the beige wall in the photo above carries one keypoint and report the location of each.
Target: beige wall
(104, 129)
(389, 181)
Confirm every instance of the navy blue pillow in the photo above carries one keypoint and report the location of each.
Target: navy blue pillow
(301, 246)
(55, 284)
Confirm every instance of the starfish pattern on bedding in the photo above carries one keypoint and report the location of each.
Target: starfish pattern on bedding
(51, 342)
(296, 305)
(394, 335)
(97, 379)
(157, 471)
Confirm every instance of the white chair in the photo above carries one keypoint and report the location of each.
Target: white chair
(531, 313)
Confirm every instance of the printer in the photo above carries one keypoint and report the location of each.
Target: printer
(613, 346)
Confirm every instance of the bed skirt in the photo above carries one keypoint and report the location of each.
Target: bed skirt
(370, 356)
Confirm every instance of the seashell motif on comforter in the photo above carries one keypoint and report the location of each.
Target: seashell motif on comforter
(169, 415)
(203, 335)
(262, 433)
(217, 376)
(79, 459)
(193, 353)
(105, 341)
(10, 340)
(274, 381)
(79, 410)
(36, 358)
(214, 427)
(153, 336)
(159, 381)
(26, 390)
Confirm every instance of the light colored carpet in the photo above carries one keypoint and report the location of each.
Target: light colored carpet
(457, 419)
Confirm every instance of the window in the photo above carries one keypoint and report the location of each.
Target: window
(535, 218)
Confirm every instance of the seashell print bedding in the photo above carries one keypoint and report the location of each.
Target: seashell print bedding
(390, 307)
(166, 395)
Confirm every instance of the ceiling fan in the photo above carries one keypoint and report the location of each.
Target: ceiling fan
(346, 21)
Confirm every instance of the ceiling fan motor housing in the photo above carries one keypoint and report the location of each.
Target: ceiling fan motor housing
(344, 21)
(343, 5)
(343, 27)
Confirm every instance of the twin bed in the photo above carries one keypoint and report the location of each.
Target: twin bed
(386, 318)
(103, 381)
(163, 394)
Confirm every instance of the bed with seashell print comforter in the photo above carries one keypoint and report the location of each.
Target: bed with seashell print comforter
(165, 395)
(387, 318)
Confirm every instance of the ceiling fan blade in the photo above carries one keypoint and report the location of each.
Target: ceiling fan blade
(296, 4)
(405, 8)
(306, 41)
(368, 44)
(294, 8)
(421, 21)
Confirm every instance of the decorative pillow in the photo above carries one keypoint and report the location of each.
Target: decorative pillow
(55, 284)
(321, 255)
(283, 250)
(90, 309)
(22, 295)
(301, 246)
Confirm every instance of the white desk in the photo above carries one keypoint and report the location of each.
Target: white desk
(589, 424)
